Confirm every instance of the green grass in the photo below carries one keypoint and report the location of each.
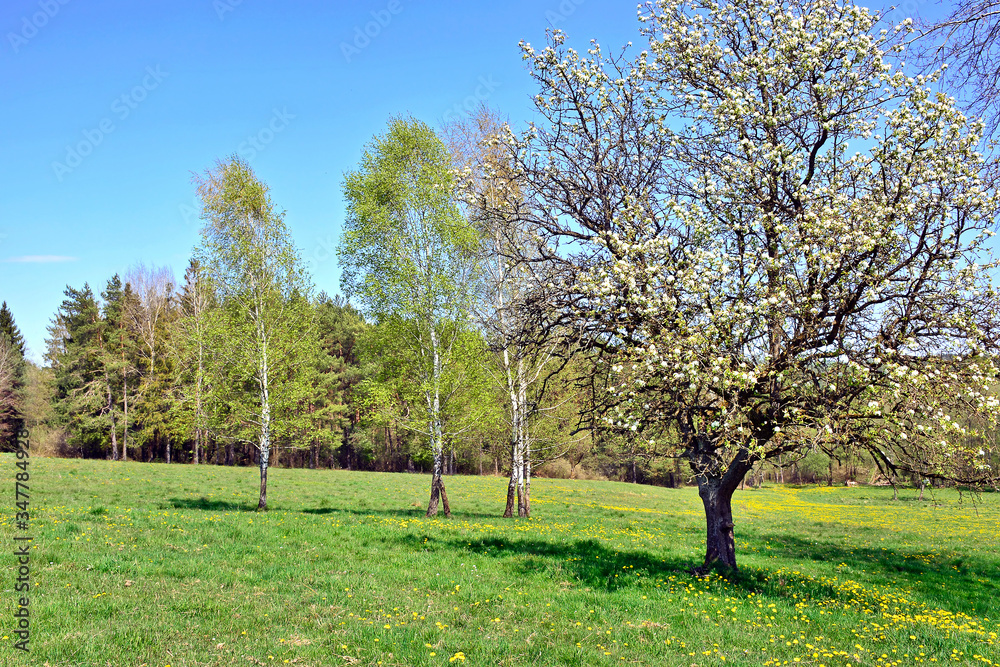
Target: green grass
(159, 565)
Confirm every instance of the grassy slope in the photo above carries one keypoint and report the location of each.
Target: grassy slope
(152, 564)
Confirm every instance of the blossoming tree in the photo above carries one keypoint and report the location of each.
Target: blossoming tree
(779, 237)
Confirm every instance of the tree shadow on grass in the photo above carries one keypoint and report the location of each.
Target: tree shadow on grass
(414, 513)
(210, 505)
(597, 566)
(204, 503)
(588, 562)
(594, 565)
(967, 583)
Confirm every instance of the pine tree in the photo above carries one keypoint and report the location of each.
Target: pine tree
(338, 368)
(12, 375)
(76, 354)
(10, 330)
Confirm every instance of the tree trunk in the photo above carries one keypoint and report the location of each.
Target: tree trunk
(437, 485)
(262, 501)
(721, 539)
(716, 491)
(198, 445)
(265, 446)
(514, 484)
(114, 426)
(125, 419)
(437, 440)
(524, 495)
(511, 495)
(437, 492)
(444, 499)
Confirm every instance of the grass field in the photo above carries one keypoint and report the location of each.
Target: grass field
(140, 564)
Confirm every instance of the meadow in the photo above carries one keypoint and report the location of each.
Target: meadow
(155, 565)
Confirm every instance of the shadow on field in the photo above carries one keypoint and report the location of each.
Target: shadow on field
(415, 513)
(211, 505)
(586, 561)
(966, 580)
(974, 589)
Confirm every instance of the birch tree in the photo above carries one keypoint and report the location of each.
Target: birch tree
(262, 330)
(408, 255)
(149, 312)
(190, 350)
(526, 342)
(781, 238)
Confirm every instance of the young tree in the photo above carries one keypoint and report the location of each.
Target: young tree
(112, 364)
(190, 351)
(36, 403)
(149, 314)
(780, 239)
(263, 331)
(408, 254)
(124, 344)
(526, 342)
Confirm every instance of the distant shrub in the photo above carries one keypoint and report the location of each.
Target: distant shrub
(557, 469)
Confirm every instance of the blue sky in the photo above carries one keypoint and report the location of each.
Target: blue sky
(109, 106)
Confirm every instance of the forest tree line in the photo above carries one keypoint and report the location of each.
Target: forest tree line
(96, 343)
(121, 382)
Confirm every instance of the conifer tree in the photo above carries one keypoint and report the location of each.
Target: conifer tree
(12, 374)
